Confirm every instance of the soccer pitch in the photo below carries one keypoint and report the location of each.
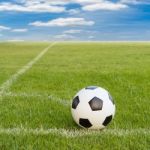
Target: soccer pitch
(38, 81)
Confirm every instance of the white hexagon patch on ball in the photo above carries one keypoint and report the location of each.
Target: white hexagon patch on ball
(93, 108)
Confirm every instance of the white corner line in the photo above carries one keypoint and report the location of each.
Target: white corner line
(72, 133)
(61, 101)
(6, 85)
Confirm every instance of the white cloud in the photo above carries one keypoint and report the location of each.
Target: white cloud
(104, 6)
(19, 30)
(62, 22)
(31, 7)
(74, 11)
(4, 28)
(91, 37)
(135, 1)
(72, 31)
(94, 5)
(58, 6)
(128, 1)
(48, 2)
(64, 37)
(85, 2)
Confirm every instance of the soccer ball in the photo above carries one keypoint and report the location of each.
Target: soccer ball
(93, 108)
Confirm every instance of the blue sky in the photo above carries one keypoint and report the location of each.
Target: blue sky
(89, 20)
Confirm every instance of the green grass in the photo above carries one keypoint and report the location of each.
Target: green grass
(121, 68)
(15, 55)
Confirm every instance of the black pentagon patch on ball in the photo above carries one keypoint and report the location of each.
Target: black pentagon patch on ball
(110, 97)
(85, 123)
(96, 104)
(91, 87)
(107, 120)
(75, 102)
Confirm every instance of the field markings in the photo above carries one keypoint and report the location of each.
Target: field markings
(7, 84)
(72, 133)
(68, 133)
(42, 96)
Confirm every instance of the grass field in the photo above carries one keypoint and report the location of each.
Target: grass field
(36, 90)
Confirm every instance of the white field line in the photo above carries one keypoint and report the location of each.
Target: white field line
(42, 96)
(6, 85)
(74, 132)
